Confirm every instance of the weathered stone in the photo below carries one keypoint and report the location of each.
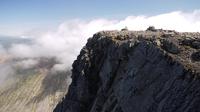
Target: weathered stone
(151, 28)
(196, 56)
(187, 41)
(196, 44)
(170, 46)
(124, 29)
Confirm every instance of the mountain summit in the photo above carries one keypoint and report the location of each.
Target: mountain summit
(136, 71)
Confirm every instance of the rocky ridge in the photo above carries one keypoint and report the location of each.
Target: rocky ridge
(136, 71)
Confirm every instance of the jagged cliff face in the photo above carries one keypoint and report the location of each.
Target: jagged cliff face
(128, 71)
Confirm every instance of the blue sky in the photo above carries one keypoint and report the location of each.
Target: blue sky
(25, 14)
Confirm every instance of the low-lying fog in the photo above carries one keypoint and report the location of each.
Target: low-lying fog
(57, 49)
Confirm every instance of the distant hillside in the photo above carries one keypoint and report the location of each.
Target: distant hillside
(6, 41)
(34, 89)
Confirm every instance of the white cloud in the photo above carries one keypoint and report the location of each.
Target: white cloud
(2, 51)
(27, 63)
(66, 42)
(6, 71)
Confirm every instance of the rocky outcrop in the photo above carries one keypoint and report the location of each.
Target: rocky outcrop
(136, 71)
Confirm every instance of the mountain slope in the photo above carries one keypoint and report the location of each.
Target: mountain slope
(33, 90)
(136, 71)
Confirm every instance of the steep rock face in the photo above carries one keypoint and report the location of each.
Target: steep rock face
(129, 71)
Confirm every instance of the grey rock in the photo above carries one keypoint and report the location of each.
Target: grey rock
(196, 56)
(124, 29)
(151, 28)
(134, 74)
(187, 41)
(170, 46)
(196, 44)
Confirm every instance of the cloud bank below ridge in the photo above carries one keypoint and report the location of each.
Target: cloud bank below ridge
(66, 41)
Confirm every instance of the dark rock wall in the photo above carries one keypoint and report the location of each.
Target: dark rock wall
(130, 74)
